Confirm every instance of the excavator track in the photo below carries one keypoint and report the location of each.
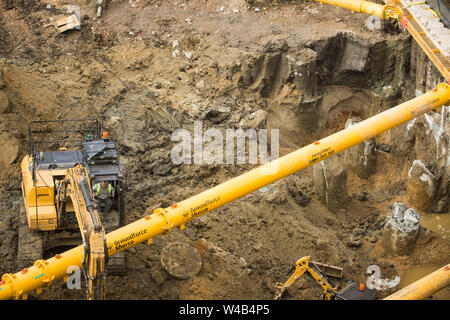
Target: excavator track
(117, 264)
(30, 244)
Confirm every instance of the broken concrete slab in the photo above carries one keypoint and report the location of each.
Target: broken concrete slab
(62, 23)
(401, 230)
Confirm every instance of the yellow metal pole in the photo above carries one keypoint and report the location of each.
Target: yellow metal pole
(163, 220)
(425, 287)
(358, 6)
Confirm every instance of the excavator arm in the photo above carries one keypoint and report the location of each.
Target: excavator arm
(301, 266)
(78, 188)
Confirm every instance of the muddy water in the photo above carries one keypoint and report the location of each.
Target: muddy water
(437, 222)
(415, 273)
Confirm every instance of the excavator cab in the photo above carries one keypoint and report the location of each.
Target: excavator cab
(60, 209)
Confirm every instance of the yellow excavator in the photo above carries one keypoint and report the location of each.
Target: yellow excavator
(58, 197)
(319, 272)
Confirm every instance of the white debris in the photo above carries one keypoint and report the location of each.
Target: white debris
(410, 124)
(200, 84)
(403, 219)
(420, 164)
(188, 54)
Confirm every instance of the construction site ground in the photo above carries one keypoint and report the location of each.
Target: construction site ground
(148, 67)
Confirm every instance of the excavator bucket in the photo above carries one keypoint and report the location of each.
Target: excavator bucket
(328, 270)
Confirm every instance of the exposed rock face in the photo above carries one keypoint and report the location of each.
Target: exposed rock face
(4, 102)
(401, 230)
(362, 157)
(355, 56)
(421, 186)
(426, 138)
(330, 180)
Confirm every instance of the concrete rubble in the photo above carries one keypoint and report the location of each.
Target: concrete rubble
(401, 230)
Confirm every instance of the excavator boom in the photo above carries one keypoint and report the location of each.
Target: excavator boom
(78, 188)
(162, 221)
(302, 266)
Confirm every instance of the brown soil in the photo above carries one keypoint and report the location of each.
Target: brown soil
(149, 67)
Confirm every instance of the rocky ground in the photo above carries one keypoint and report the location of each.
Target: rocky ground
(149, 67)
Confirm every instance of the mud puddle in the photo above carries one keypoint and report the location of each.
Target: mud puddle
(417, 272)
(437, 222)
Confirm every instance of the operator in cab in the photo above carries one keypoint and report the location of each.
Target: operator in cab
(104, 192)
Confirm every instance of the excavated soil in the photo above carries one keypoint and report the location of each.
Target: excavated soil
(149, 67)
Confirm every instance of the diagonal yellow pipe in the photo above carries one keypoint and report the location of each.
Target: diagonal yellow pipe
(43, 272)
(358, 6)
(424, 287)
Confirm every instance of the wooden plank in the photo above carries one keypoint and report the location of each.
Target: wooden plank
(329, 270)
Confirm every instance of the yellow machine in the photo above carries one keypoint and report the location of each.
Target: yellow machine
(58, 196)
(319, 272)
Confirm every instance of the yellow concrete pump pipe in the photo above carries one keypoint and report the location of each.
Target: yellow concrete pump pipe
(161, 221)
(425, 286)
(379, 10)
